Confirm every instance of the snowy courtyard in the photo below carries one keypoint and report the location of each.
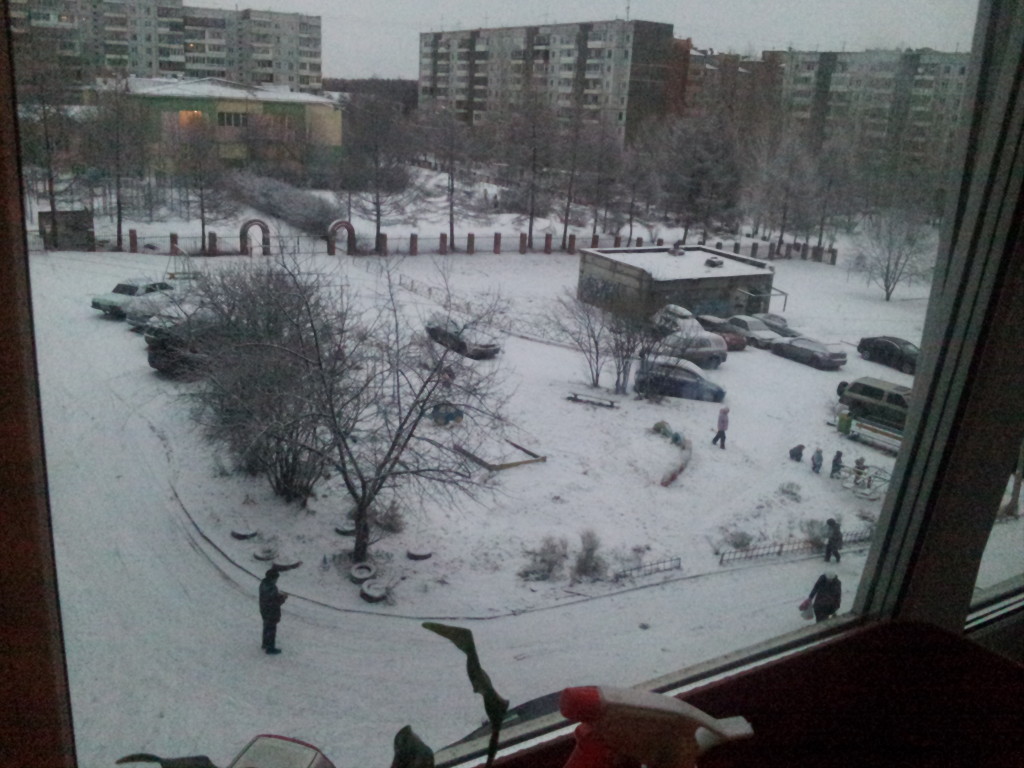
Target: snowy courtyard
(159, 599)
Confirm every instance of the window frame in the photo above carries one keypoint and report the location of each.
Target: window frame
(962, 417)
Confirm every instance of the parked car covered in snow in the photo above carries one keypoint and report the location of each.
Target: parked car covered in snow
(675, 377)
(673, 318)
(811, 352)
(178, 339)
(114, 303)
(460, 337)
(706, 349)
(756, 332)
(777, 323)
(735, 340)
(890, 350)
(139, 309)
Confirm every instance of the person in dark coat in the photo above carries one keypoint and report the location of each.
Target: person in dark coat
(826, 595)
(271, 600)
(723, 424)
(833, 540)
(796, 453)
(817, 459)
(837, 465)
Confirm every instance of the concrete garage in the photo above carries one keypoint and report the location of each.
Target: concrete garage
(704, 280)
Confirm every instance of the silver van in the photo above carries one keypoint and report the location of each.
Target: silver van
(877, 400)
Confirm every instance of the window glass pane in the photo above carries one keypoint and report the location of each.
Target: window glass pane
(613, 540)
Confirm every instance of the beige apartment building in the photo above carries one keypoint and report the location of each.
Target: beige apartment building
(166, 38)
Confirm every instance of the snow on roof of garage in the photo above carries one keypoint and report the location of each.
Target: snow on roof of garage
(216, 88)
(685, 262)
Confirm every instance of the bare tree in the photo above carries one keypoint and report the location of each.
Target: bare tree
(48, 134)
(357, 389)
(201, 173)
(586, 327)
(450, 143)
(115, 143)
(895, 247)
(375, 163)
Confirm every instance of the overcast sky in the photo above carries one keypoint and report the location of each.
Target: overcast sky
(380, 38)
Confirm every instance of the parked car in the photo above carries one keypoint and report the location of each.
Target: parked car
(777, 323)
(756, 332)
(706, 349)
(467, 341)
(889, 350)
(735, 340)
(675, 377)
(178, 340)
(140, 309)
(673, 318)
(114, 303)
(877, 400)
(811, 352)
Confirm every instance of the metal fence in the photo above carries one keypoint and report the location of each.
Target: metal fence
(669, 564)
(780, 548)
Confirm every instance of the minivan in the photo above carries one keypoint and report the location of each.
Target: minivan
(877, 400)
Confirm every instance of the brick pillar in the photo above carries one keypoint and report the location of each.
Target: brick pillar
(331, 238)
(382, 244)
(833, 254)
(547, 243)
(618, 241)
(442, 246)
(522, 242)
(133, 241)
(789, 250)
(753, 250)
(594, 240)
(572, 243)
(736, 247)
(718, 245)
(816, 253)
(639, 242)
(771, 251)
(470, 243)
(660, 242)
(497, 242)
(414, 244)
(212, 238)
(174, 242)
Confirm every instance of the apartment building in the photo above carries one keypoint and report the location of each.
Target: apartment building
(886, 103)
(616, 72)
(165, 38)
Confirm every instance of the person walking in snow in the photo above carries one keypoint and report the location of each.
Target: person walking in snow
(837, 465)
(271, 600)
(796, 453)
(817, 459)
(833, 539)
(723, 424)
(825, 596)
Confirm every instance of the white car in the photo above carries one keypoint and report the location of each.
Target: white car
(673, 318)
(756, 332)
(115, 302)
(139, 309)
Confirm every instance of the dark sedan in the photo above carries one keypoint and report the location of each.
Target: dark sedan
(810, 352)
(889, 350)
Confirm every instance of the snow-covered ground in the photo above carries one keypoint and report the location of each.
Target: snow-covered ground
(159, 600)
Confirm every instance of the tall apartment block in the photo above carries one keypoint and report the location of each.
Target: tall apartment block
(616, 72)
(165, 38)
(896, 103)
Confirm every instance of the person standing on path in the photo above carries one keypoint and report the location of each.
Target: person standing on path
(837, 465)
(817, 459)
(826, 595)
(723, 424)
(271, 600)
(833, 540)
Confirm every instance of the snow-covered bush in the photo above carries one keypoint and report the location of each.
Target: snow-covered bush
(546, 561)
(589, 565)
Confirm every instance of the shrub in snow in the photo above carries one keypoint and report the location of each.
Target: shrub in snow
(738, 539)
(589, 565)
(388, 519)
(546, 561)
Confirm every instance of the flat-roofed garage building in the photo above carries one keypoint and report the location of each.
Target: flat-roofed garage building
(704, 280)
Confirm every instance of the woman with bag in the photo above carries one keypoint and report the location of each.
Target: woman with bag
(824, 599)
